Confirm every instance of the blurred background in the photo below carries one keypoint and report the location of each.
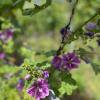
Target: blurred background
(41, 32)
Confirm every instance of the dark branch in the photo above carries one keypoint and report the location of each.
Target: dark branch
(63, 42)
(72, 13)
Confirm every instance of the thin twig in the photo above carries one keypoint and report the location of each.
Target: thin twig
(72, 13)
(67, 26)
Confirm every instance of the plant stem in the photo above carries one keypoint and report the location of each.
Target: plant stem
(72, 13)
(63, 43)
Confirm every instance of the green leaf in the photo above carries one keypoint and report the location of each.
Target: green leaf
(37, 8)
(66, 88)
(67, 77)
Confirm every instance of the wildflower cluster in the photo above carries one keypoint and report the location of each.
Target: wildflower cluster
(62, 61)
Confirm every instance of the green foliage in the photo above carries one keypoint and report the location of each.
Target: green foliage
(37, 8)
(66, 88)
(36, 40)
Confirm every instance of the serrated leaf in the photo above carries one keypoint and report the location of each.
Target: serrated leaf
(67, 77)
(66, 88)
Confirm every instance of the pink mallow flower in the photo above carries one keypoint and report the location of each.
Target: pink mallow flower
(39, 89)
(70, 61)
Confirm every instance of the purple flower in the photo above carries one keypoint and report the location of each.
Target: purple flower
(90, 34)
(39, 89)
(20, 84)
(65, 32)
(70, 61)
(9, 33)
(2, 55)
(91, 26)
(6, 35)
(57, 62)
(45, 74)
